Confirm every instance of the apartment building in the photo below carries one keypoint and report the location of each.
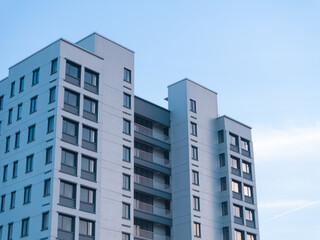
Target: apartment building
(83, 158)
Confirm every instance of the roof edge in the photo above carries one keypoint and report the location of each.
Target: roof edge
(225, 116)
(152, 103)
(187, 79)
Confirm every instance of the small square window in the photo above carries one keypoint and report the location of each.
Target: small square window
(33, 104)
(21, 85)
(126, 126)
(31, 133)
(47, 184)
(126, 182)
(194, 153)
(127, 75)
(126, 100)
(194, 129)
(27, 195)
(17, 140)
(54, 66)
(45, 221)
(29, 164)
(52, 95)
(19, 112)
(125, 210)
(35, 77)
(126, 154)
(25, 227)
(50, 124)
(49, 155)
(13, 85)
(193, 106)
(197, 229)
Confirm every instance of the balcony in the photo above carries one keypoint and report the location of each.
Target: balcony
(149, 182)
(154, 133)
(149, 208)
(150, 157)
(148, 235)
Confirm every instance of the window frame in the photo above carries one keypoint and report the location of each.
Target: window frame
(127, 75)
(126, 126)
(196, 203)
(126, 100)
(13, 200)
(10, 113)
(50, 127)
(31, 133)
(33, 104)
(15, 169)
(35, 76)
(52, 94)
(29, 163)
(12, 90)
(193, 106)
(21, 84)
(195, 178)
(126, 182)
(197, 229)
(45, 221)
(17, 140)
(194, 153)
(54, 66)
(126, 210)
(27, 194)
(194, 129)
(25, 227)
(19, 112)
(47, 187)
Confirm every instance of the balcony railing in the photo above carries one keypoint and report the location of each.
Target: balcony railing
(150, 157)
(150, 132)
(149, 208)
(149, 182)
(148, 235)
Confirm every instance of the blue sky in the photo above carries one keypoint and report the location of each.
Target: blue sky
(262, 57)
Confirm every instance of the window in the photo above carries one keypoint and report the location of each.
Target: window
(0, 126)
(65, 224)
(5, 173)
(50, 124)
(224, 207)
(33, 104)
(238, 235)
(49, 155)
(220, 136)
(126, 100)
(126, 210)
(193, 106)
(91, 81)
(89, 138)
(222, 159)
(88, 168)
(31, 133)
(234, 142)
(251, 236)
(235, 162)
(45, 221)
(90, 109)
(244, 144)
(194, 152)
(197, 229)
(249, 215)
(10, 231)
(196, 203)
(54, 66)
(69, 162)
(126, 182)
(46, 189)
(3, 201)
(70, 131)
(25, 227)
(52, 95)
(247, 191)
(73, 70)
(126, 154)
(13, 84)
(71, 101)
(194, 129)
(1, 102)
(19, 112)
(13, 200)
(246, 167)
(29, 164)
(126, 75)
(27, 195)
(225, 233)
(15, 169)
(223, 183)
(126, 126)
(237, 211)
(87, 195)
(17, 140)
(35, 77)
(125, 236)
(67, 194)
(21, 85)
(10, 116)
(195, 177)
(8, 144)
(86, 228)
(236, 186)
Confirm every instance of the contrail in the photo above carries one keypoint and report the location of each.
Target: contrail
(294, 210)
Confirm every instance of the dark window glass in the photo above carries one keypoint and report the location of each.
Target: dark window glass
(27, 195)
(5, 173)
(126, 182)
(220, 136)
(35, 77)
(126, 126)
(126, 100)
(195, 177)
(194, 129)
(31, 133)
(194, 152)
(2, 203)
(19, 112)
(15, 169)
(13, 85)
(1, 102)
(10, 116)
(126, 154)
(33, 104)
(48, 155)
(21, 85)
(17, 140)
(8, 144)
(52, 95)
(25, 227)
(47, 184)
(50, 124)
(66, 223)
(45, 221)
(86, 228)
(127, 75)
(193, 106)
(54, 66)
(73, 70)
(29, 164)
(91, 77)
(69, 158)
(126, 210)
(13, 200)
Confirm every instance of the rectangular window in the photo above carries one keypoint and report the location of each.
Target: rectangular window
(1, 102)
(224, 208)
(251, 236)
(45, 221)
(220, 136)
(31, 133)
(249, 215)
(193, 106)
(70, 131)
(237, 211)
(89, 138)
(90, 109)
(236, 186)
(125, 210)
(126, 100)
(247, 191)
(35, 77)
(238, 235)
(21, 85)
(5, 173)
(67, 194)
(88, 168)
(13, 84)
(17, 140)
(246, 167)
(52, 95)
(27, 195)
(235, 162)
(33, 104)
(125, 236)
(10, 231)
(195, 177)
(49, 155)
(223, 183)
(196, 203)
(15, 169)
(244, 144)
(50, 124)
(225, 233)
(71, 101)
(19, 112)
(54, 66)
(29, 164)
(10, 116)
(25, 227)
(69, 162)
(3, 201)
(234, 142)
(126, 154)
(91, 81)
(65, 224)
(0, 126)
(197, 229)
(126, 126)
(73, 70)
(126, 75)
(47, 187)
(194, 129)
(87, 199)
(126, 182)
(13, 200)
(222, 160)
(86, 228)
(8, 144)
(194, 152)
